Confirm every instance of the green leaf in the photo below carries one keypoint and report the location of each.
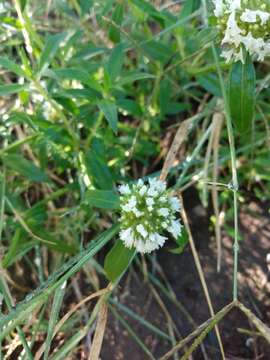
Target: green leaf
(117, 260)
(85, 6)
(25, 168)
(134, 76)
(210, 82)
(71, 74)
(130, 106)
(242, 94)
(98, 171)
(109, 110)
(54, 315)
(11, 89)
(103, 199)
(85, 93)
(117, 17)
(115, 62)
(182, 242)
(12, 66)
(50, 49)
(22, 4)
(157, 51)
(147, 8)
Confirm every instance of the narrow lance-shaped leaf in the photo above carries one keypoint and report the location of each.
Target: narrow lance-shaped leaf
(115, 62)
(98, 171)
(109, 110)
(12, 66)
(242, 94)
(117, 17)
(11, 89)
(25, 167)
(50, 49)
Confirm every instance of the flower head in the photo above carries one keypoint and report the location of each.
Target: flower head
(243, 24)
(147, 210)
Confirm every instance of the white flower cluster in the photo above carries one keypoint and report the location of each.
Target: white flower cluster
(147, 211)
(244, 24)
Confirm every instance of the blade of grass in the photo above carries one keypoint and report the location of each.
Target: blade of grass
(217, 124)
(10, 303)
(74, 309)
(210, 322)
(140, 319)
(79, 335)
(54, 313)
(40, 295)
(99, 332)
(263, 329)
(207, 330)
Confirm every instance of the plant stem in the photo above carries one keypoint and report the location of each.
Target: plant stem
(234, 170)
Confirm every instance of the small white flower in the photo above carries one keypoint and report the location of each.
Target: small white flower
(250, 16)
(143, 190)
(137, 212)
(141, 230)
(152, 192)
(163, 212)
(130, 205)
(160, 239)
(219, 8)
(149, 201)
(175, 203)
(127, 237)
(124, 189)
(175, 228)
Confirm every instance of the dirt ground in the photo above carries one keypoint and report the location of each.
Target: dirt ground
(236, 331)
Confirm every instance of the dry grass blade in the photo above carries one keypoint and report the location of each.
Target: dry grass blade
(99, 333)
(201, 274)
(69, 314)
(178, 140)
(214, 319)
(262, 328)
(218, 119)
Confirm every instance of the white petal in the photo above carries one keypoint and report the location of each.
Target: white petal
(149, 201)
(163, 212)
(127, 236)
(175, 203)
(143, 190)
(124, 189)
(175, 228)
(137, 212)
(141, 230)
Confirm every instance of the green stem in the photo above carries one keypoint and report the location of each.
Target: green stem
(234, 171)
